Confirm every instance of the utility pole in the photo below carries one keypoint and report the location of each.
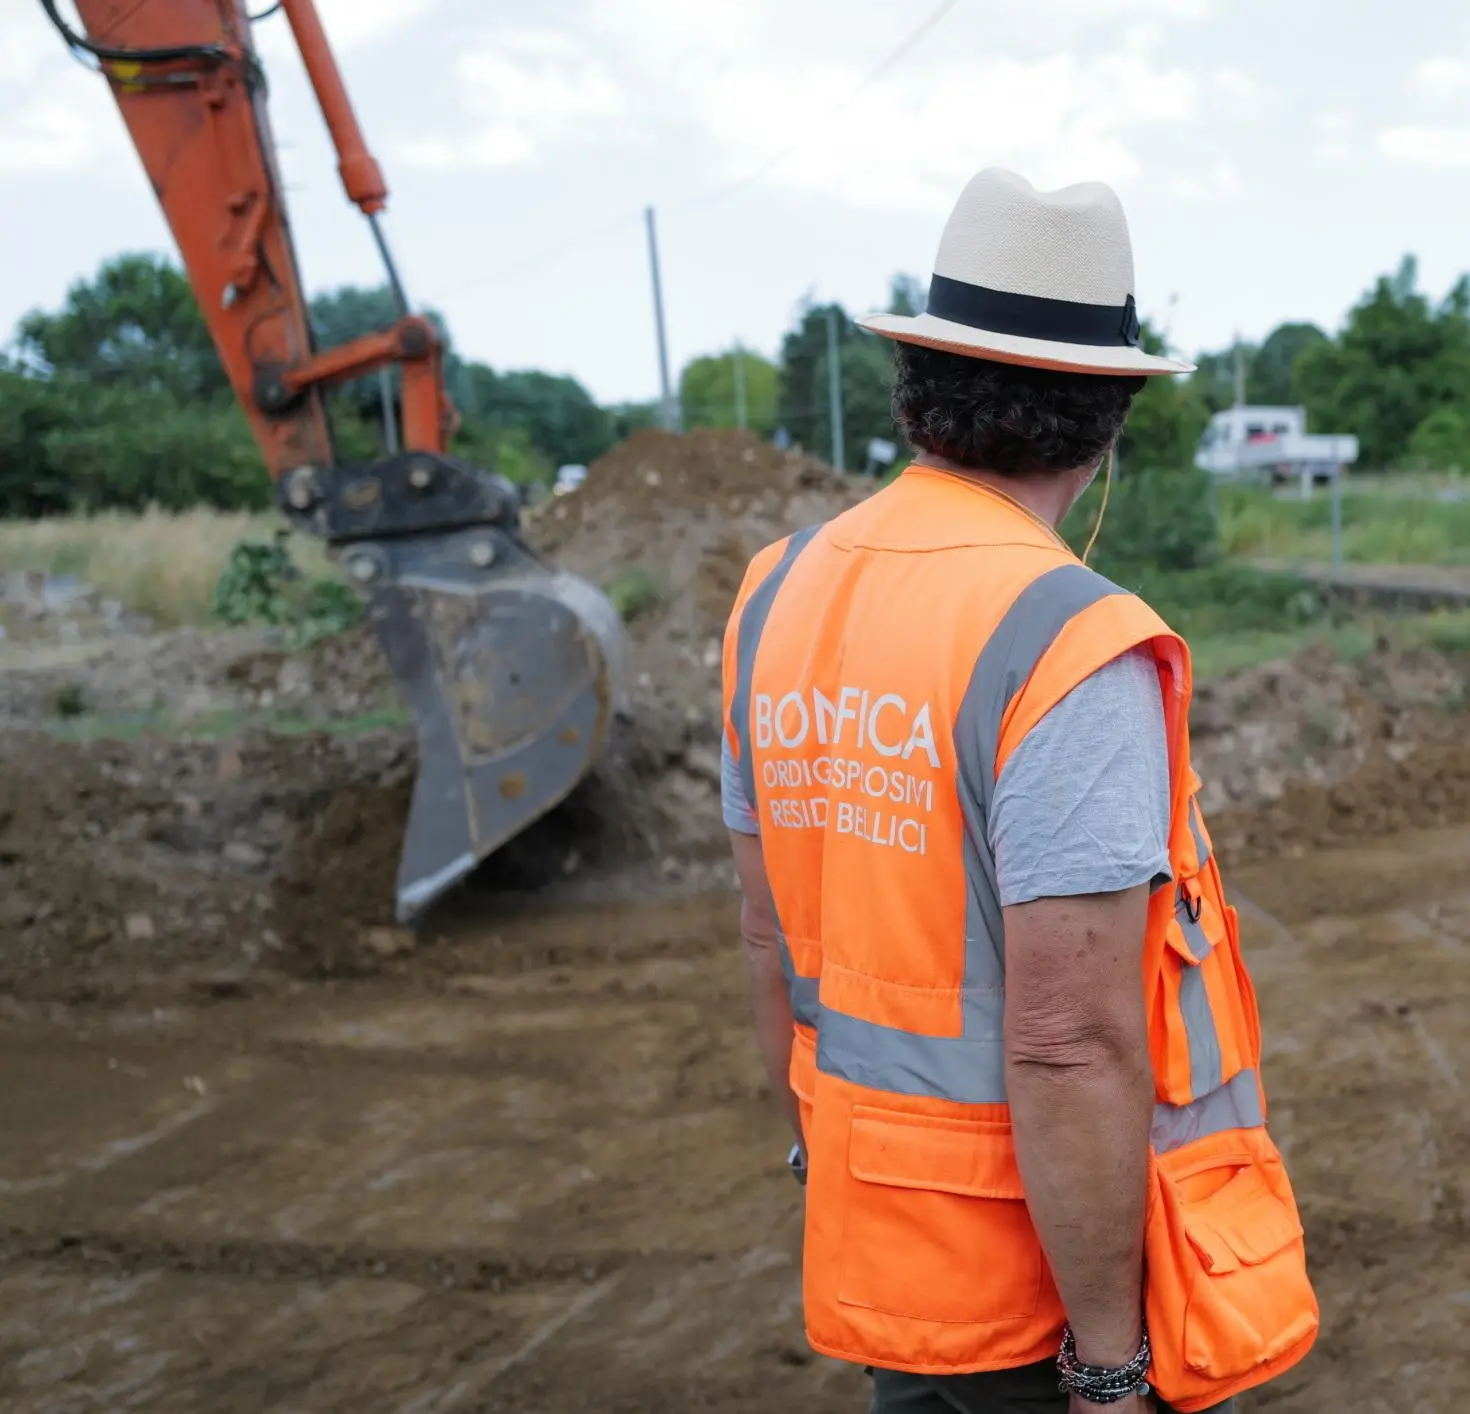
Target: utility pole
(834, 392)
(741, 417)
(668, 408)
(1239, 373)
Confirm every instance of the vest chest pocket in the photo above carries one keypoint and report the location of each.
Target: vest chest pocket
(936, 1225)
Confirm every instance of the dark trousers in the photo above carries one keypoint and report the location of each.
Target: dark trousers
(1031, 1389)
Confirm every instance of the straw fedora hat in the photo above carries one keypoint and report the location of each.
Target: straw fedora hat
(1031, 277)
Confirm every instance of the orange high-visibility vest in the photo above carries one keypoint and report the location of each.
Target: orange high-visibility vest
(879, 671)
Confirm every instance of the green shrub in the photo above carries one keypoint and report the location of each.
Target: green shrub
(1159, 519)
(1228, 598)
(634, 591)
(261, 584)
(1441, 442)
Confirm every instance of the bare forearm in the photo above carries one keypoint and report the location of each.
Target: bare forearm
(1081, 1126)
(773, 1024)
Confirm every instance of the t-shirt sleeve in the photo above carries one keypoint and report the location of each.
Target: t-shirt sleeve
(739, 812)
(1082, 804)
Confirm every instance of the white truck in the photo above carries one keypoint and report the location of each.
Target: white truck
(1274, 442)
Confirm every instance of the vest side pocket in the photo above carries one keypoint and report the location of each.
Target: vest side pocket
(927, 1197)
(1227, 1285)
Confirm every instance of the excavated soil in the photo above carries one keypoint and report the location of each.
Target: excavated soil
(688, 513)
(263, 1151)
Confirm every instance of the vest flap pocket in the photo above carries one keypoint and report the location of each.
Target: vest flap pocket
(1227, 1286)
(1244, 1224)
(923, 1236)
(973, 1158)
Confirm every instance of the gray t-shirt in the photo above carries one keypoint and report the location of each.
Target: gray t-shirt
(1082, 806)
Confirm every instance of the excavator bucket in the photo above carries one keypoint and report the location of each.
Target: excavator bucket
(514, 672)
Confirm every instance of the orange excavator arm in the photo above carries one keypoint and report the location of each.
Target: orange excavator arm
(512, 668)
(192, 94)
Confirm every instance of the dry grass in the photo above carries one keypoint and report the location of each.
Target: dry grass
(161, 564)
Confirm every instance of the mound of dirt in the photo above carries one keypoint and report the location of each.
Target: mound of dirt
(119, 858)
(686, 515)
(1318, 719)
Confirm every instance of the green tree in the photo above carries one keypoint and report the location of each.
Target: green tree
(866, 363)
(135, 449)
(708, 391)
(907, 294)
(802, 349)
(556, 413)
(521, 423)
(1397, 360)
(1166, 420)
(1268, 374)
(867, 382)
(134, 324)
(31, 410)
(1213, 381)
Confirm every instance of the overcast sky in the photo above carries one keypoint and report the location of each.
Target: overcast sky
(1273, 155)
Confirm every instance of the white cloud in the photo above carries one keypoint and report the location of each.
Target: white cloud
(59, 117)
(1048, 19)
(44, 137)
(745, 82)
(1442, 80)
(28, 48)
(521, 92)
(906, 145)
(1219, 185)
(1440, 147)
(1335, 144)
(1237, 92)
(1435, 136)
(349, 24)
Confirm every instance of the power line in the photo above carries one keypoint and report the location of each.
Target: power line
(698, 201)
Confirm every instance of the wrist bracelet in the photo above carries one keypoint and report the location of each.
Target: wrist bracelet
(1103, 1384)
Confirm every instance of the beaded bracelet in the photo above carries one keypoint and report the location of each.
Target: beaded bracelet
(1101, 1384)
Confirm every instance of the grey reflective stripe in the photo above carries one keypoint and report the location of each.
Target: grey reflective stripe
(1235, 1105)
(802, 991)
(1201, 848)
(1205, 1064)
(1194, 1005)
(1029, 627)
(969, 1069)
(752, 625)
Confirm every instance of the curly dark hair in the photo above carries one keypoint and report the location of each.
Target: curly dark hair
(1004, 417)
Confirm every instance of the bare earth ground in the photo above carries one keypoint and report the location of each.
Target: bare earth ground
(260, 1151)
(535, 1169)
